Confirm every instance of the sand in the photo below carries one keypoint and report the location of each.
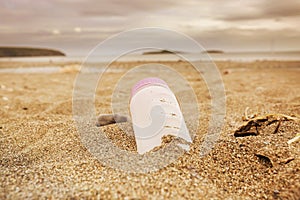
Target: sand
(42, 155)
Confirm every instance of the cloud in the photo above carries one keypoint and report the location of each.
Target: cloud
(121, 7)
(236, 39)
(79, 24)
(258, 10)
(77, 29)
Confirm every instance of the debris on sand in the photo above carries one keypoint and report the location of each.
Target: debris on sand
(295, 139)
(254, 124)
(106, 119)
(265, 160)
(271, 156)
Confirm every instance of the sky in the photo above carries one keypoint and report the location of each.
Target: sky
(77, 26)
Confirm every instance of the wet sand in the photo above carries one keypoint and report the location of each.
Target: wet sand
(42, 155)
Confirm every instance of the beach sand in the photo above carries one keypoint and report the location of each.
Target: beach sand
(42, 155)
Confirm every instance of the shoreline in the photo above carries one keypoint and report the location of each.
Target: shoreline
(41, 64)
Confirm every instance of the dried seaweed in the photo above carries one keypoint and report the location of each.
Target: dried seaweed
(255, 123)
(265, 160)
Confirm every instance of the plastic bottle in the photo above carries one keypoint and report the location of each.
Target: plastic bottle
(155, 112)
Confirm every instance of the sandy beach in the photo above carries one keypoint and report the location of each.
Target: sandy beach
(42, 156)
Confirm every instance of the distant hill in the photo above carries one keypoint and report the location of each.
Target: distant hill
(27, 51)
(213, 51)
(161, 52)
(171, 52)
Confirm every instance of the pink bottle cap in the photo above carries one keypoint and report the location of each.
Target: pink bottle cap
(147, 81)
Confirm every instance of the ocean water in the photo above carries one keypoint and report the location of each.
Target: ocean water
(234, 56)
(239, 57)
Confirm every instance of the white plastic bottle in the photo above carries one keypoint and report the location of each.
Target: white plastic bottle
(155, 112)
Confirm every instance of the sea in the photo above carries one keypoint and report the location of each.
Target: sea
(227, 56)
